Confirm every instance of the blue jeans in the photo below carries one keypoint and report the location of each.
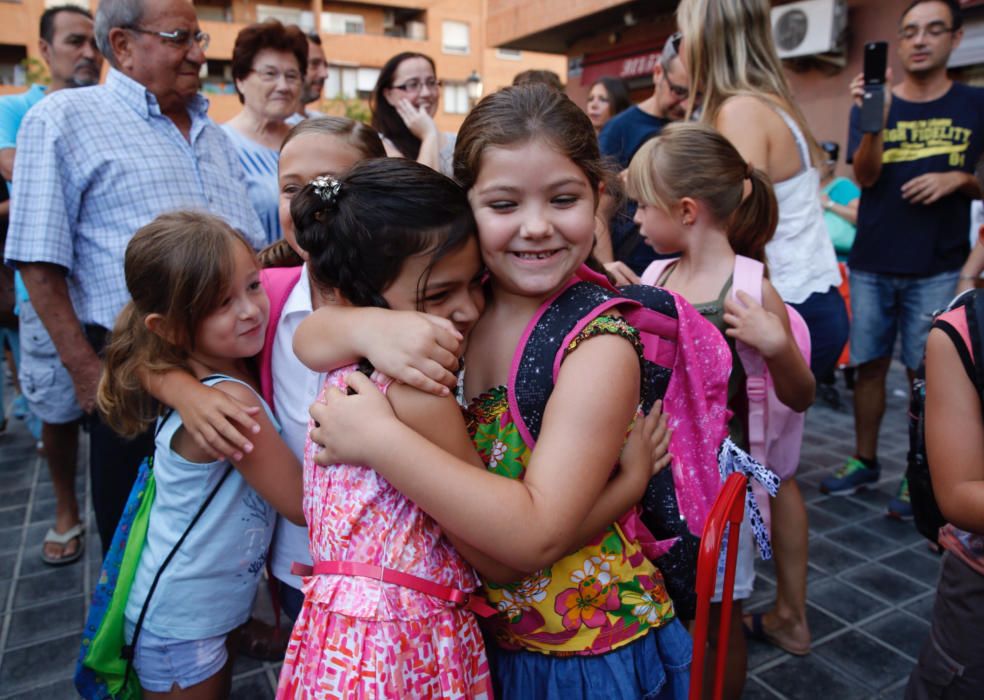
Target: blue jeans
(826, 317)
(884, 306)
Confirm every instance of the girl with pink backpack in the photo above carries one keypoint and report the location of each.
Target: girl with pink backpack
(691, 186)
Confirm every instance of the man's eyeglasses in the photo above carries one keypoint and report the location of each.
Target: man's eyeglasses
(933, 29)
(680, 92)
(181, 38)
(272, 75)
(415, 85)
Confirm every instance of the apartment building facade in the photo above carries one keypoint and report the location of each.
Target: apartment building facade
(358, 39)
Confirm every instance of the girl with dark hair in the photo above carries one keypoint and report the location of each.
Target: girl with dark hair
(403, 105)
(607, 97)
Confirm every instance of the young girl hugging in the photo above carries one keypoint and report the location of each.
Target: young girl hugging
(197, 305)
(691, 185)
(221, 425)
(589, 617)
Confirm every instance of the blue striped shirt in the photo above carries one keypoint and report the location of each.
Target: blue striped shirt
(95, 164)
(260, 165)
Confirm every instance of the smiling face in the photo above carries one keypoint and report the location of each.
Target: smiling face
(414, 80)
(272, 88)
(599, 106)
(304, 158)
(932, 38)
(237, 328)
(535, 213)
(452, 289)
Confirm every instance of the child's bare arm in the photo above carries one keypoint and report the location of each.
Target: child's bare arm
(646, 453)
(414, 348)
(766, 328)
(221, 426)
(440, 421)
(954, 435)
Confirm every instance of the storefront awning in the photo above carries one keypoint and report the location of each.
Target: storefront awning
(622, 62)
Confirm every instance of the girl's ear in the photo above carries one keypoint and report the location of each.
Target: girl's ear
(688, 208)
(157, 324)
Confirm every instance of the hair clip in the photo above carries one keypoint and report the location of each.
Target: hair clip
(327, 188)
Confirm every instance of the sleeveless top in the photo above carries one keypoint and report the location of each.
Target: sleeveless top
(800, 255)
(713, 311)
(354, 514)
(209, 586)
(600, 597)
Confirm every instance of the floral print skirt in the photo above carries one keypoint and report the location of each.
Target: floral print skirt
(331, 655)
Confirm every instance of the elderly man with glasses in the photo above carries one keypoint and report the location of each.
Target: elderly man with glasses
(94, 165)
(626, 132)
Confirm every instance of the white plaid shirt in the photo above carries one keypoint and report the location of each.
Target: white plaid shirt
(94, 165)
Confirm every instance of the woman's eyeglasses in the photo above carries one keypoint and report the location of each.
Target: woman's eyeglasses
(415, 85)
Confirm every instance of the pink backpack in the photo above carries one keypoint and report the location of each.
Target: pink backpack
(278, 282)
(775, 431)
(686, 363)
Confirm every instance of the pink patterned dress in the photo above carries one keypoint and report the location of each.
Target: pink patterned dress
(361, 638)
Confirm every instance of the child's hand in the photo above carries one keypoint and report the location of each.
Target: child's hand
(347, 427)
(416, 349)
(217, 422)
(647, 451)
(753, 325)
(622, 273)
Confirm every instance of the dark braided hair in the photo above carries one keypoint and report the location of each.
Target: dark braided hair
(386, 211)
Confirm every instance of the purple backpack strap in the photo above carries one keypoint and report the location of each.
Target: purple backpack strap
(655, 270)
(748, 276)
(278, 282)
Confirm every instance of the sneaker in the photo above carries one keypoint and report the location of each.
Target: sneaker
(849, 478)
(900, 507)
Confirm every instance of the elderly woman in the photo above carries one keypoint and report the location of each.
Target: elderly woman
(403, 104)
(269, 61)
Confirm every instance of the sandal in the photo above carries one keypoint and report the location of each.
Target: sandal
(63, 538)
(757, 632)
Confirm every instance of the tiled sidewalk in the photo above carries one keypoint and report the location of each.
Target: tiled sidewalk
(870, 587)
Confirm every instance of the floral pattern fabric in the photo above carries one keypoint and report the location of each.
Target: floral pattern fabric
(599, 598)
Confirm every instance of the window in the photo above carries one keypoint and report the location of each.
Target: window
(350, 82)
(338, 23)
(454, 37)
(509, 54)
(455, 98)
(286, 15)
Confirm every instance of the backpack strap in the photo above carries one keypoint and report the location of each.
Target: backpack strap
(652, 274)
(278, 282)
(748, 276)
(538, 355)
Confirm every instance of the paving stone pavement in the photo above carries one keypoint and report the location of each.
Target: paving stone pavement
(871, 579)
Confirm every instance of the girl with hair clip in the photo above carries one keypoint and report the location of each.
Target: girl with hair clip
(394, 234)
(690, 183)
(223, 426)
(586, 616)
(197, 307)
(731, 57)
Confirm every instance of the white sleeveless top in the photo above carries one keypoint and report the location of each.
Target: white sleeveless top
(800, 255)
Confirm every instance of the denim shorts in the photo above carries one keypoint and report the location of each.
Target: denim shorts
(162, 662)
(45, 382)
(884, 305)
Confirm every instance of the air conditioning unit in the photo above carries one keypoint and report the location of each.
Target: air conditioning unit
(809, 27)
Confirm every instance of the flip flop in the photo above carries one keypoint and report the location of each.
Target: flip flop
(758, 633)
(63, 538)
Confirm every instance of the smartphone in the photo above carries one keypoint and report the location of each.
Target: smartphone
(873, 105)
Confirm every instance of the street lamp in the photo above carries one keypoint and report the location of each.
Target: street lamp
(474, 87)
